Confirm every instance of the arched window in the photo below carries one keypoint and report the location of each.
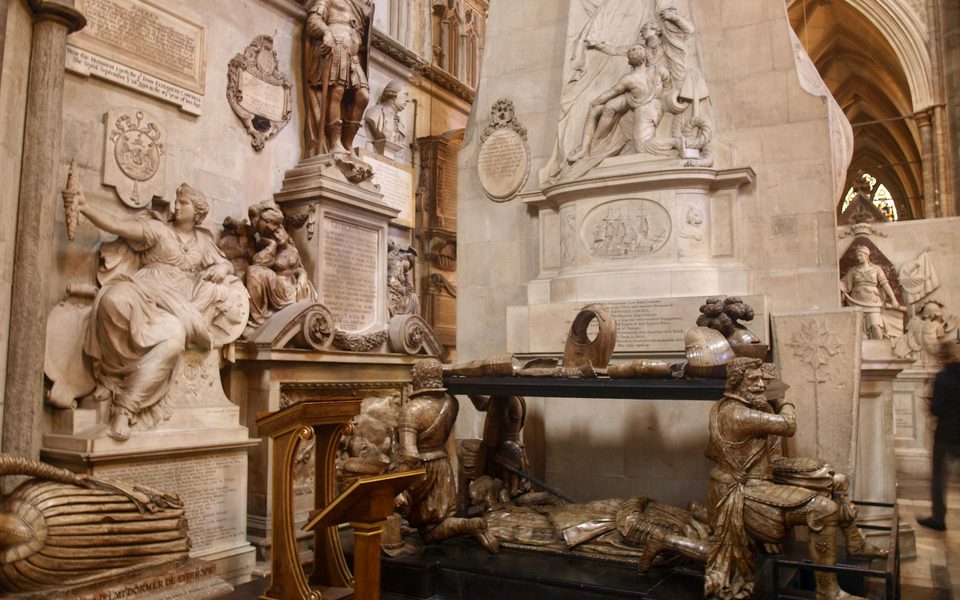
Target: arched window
(877, 193)
(472, 54)
(450, 31)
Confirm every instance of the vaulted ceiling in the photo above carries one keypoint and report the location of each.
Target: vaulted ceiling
(863, 72)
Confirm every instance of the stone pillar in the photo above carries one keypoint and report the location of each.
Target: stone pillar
(950, 63)
(35, 221)
(928, 158)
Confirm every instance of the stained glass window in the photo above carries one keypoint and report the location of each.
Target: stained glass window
(876, 192)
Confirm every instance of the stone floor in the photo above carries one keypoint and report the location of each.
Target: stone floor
(935, 573)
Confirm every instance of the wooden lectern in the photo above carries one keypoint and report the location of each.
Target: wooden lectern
(365, 505)
(323, 420)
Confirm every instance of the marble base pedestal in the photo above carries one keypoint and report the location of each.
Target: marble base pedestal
(876, 476)
(913, 427)
(199, 454)
(342, 238)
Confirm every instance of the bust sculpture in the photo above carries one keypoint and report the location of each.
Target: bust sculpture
(383, 119)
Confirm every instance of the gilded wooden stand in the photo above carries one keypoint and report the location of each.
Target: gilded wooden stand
(324, 420)
(365, 505)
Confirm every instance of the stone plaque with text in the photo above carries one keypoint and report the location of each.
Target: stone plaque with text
(212, 488)
(351, 253)
(504, 160)
(396, 185)
(649, 325)
(143, 46)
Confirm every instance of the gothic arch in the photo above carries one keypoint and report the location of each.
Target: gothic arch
(905, 33)
(863, 68)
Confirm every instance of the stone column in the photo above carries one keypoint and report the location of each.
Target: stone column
(928, 157)
(35, 221)
(949, 17)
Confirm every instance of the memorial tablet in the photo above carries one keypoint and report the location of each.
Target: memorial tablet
(142, 46)
(213, 490)
(258, 92)
(350, 275)
(396, 184)
(649, 325)
(504, 160)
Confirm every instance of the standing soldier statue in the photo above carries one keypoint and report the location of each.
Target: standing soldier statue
(336, 47)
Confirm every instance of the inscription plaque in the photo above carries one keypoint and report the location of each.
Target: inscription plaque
(396, 185)
(503, 164)
(262, 98)
(213, 491)
(654, 325)
(350, 275)
(504, 160)
(144, 46)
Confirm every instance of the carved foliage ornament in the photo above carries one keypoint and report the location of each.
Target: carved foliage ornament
(504, 160)
(258, 92)
(134, 156)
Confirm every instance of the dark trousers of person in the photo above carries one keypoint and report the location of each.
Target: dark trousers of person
(942, 450)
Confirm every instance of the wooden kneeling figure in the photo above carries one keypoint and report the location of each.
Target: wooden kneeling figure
(749, 504)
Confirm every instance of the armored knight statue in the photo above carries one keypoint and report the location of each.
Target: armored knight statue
(63, 530)
(336, 45)
(753, 498)
(426, 421)
(502, 455)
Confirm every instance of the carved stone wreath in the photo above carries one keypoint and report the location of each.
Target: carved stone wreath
(258, 92)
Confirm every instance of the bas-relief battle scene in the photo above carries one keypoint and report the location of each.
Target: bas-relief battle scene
(618, 298)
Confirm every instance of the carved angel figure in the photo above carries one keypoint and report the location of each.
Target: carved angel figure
(276, 277)
(166, 290)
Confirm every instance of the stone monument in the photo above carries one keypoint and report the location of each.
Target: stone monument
(136, 369)
(663, 172)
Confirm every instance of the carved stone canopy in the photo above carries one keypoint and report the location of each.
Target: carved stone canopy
(258, 92)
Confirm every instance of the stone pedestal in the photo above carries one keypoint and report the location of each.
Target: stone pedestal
(876, 477)
(912, 427)
(639, 229)
(199, 454)
(342, 238)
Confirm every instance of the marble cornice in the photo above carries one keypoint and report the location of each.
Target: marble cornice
(62, 11)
